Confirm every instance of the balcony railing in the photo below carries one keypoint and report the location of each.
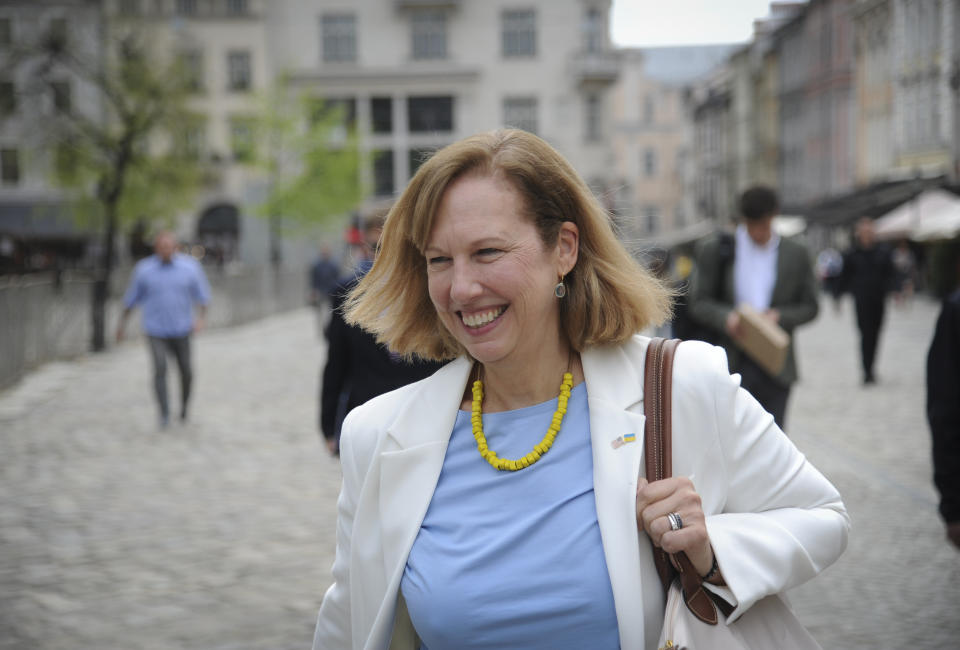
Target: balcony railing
(426, 4)
(595, 67)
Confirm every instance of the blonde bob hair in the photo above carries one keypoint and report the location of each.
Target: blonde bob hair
(609, 297)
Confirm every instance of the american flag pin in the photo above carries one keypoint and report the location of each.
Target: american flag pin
(617, 442)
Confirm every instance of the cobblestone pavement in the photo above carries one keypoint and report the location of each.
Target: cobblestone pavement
(220, 533)
(898, 584)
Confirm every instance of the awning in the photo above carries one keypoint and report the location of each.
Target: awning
(48, 220)
(932, 214)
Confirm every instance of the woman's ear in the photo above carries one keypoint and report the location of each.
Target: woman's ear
(568, 246)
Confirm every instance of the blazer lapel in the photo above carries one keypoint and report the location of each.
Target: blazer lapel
(412, 459)
(614, 379)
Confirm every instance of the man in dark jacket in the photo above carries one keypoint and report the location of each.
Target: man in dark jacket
(943, 411)
(773, 275)
(358, 368)
(868, 274)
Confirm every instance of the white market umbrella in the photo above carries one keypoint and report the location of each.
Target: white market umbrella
(933, 214)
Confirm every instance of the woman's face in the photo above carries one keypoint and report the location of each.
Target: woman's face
(489, 274)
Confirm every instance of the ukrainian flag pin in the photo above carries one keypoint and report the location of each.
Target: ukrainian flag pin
(620, 441)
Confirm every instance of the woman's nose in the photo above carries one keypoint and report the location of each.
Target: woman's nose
(464, 285)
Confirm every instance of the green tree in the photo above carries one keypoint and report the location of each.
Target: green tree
(312, 158)
(130, 159)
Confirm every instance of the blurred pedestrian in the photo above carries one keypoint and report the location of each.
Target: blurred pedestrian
(943, 408)
(167, 285)
(830, 274)
(324, 277)
(905, 268)
(774, 275)
(358, 368)
(324, 280)
(868, 274)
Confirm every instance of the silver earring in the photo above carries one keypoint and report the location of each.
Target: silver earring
(561, 289)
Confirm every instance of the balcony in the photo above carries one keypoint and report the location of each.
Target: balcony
(595, 68)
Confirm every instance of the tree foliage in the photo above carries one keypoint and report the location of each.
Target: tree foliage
(129, 161)
(312, 157)
(121, 156)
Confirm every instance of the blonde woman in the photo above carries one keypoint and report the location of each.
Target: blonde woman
(496, 503)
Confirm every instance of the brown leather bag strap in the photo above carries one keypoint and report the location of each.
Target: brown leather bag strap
(658, 451)
(657, 458)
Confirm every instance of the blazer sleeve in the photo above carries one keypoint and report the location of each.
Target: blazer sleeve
(704, 305)
(803, 305)
(782, 522)
(333, 631)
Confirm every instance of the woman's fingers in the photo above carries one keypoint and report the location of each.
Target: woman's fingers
(655, 501)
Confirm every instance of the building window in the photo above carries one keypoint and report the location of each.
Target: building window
(339, 35)
(593, 40)
(429, 114)
(186, 7)
(651, 219)
(193, 139)
(593, 121)
(9, 166)
(192, 62)
(381, 110)
(237, 7)
(649, 163)
(242, 144)
(383, 172)
(61, 96)
(238, 70)
(346, 106)
(520, 113)
(66, 160)
(6, 32)
(417, 157)
(8, 98)
(519, 33)
(129, 8)
(58, 31)
(429, 29)
(648, 108)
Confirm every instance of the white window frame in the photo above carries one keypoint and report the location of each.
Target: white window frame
(428, 32)
(518, 33)
(239, 72)
(338, 35)
(521, 113)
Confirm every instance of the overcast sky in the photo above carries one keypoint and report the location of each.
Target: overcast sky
(642, 23)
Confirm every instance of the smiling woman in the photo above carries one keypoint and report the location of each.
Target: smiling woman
(466, 496)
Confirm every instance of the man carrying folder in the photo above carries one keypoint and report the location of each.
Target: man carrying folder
(753, 289)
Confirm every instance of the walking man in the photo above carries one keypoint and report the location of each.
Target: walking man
(773, 275)
(167, 285)
(869, 274)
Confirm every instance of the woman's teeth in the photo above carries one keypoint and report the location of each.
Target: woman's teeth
(481, 319)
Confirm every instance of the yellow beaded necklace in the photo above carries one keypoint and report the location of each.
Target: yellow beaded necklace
(476, 418)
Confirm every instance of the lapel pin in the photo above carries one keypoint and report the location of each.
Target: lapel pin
(620, 441)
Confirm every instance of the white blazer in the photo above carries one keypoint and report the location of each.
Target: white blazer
(774, 521)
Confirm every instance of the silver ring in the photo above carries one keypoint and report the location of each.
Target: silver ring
(676, 523)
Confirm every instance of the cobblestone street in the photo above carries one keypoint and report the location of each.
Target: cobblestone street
(219, 533)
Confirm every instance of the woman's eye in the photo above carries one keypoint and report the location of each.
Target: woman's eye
(488, 251)
(433, 261)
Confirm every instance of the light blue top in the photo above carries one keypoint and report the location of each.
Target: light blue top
(166, 293)
(513, 559)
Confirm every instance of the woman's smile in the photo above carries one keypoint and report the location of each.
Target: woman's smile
(480, 320)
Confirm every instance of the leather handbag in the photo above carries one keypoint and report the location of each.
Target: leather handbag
(695, 618)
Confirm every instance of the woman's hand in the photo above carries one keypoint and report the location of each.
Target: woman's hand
(656, 500)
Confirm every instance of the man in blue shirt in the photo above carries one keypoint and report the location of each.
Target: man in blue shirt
(167, 285)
